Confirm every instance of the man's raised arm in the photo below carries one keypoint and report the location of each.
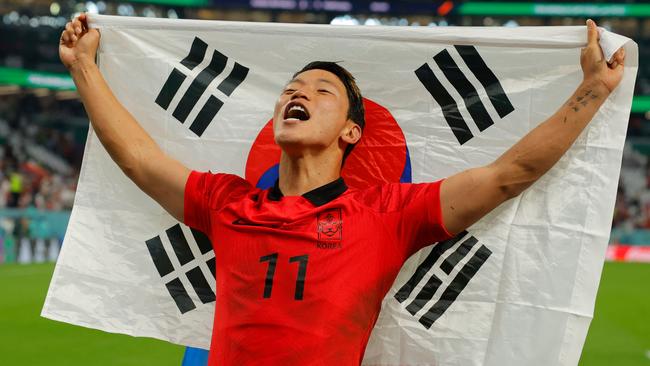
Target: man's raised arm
(128, 144)
(467, 196)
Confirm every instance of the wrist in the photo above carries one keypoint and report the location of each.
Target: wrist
(597, 85)
(81, 63)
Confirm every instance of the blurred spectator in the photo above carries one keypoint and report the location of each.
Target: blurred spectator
(40, 157)
(631, 223)
(15, 188)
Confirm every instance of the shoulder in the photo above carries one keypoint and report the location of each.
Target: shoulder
(220, 186)
(379, 197)
(390, 197)
(211, 180)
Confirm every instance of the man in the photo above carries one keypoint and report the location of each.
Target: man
(303, 267)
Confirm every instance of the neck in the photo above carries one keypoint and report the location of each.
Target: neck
(301, 174)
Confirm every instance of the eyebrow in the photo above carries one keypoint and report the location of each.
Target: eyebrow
(300, 81)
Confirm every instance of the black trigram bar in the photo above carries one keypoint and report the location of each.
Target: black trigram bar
(199, 85)
(425, 295)
(205, 116)
(180, 296)
(212, 264)
(196, 55)
(202, 240)
(176, 78)
(236, 77)
(487, 78)
(446, 102)
(436, 252)
(170, 88)
(180, 245)
(434, 282)
(457, 285)
(200, 284)
(465, 89)
(452, 260)
(159, 256)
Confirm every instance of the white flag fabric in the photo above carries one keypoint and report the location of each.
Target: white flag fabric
(518, 288)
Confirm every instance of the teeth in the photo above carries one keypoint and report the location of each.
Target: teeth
(297, 107)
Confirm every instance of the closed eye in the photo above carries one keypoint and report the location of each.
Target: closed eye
(289, 91)
(324, 91)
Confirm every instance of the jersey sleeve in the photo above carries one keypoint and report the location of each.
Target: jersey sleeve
(417, 212)
(206, 193)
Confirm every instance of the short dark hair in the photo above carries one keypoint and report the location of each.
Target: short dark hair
(356, 111)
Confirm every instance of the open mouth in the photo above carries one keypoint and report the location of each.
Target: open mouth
(295, 111)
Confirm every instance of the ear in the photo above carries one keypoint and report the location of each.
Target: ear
(351, 134)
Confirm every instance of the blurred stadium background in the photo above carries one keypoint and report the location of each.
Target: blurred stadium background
(43, 129)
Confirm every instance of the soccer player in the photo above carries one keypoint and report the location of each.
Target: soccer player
(303, 267)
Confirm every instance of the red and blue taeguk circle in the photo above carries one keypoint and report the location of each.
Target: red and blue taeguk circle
(381, 156)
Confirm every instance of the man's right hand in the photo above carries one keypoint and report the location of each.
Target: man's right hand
(129, 145)
(78, 42)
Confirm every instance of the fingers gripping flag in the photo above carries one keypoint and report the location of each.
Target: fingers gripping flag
(517, 288)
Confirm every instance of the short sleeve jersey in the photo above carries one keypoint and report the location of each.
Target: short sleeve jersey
(300, 279)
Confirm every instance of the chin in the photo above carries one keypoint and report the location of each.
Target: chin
(288, 140)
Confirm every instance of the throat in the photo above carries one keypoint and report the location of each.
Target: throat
(301, 175)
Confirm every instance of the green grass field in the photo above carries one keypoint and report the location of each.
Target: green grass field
(26, 339)
(619, 334)
(620, 331)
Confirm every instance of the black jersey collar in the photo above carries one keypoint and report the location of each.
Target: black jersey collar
(318, 196)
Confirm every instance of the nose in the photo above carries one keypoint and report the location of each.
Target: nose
(299, 93)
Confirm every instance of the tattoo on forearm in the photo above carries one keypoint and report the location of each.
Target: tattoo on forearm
(582, 100)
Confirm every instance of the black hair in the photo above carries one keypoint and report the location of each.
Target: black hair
(356, 111)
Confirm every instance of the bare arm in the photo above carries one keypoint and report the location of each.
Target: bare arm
(467, 196)
(128, 144)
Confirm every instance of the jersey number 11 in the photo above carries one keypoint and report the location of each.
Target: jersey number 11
(270, 272)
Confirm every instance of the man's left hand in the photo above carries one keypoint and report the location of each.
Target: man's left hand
(595, 67)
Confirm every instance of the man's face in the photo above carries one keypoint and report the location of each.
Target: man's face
(311, 114)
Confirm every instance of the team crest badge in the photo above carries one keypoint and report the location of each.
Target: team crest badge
(330, 226)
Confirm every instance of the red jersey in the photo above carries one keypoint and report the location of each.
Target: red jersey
(300, 280)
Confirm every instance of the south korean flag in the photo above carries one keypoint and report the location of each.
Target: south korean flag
(517, 288)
